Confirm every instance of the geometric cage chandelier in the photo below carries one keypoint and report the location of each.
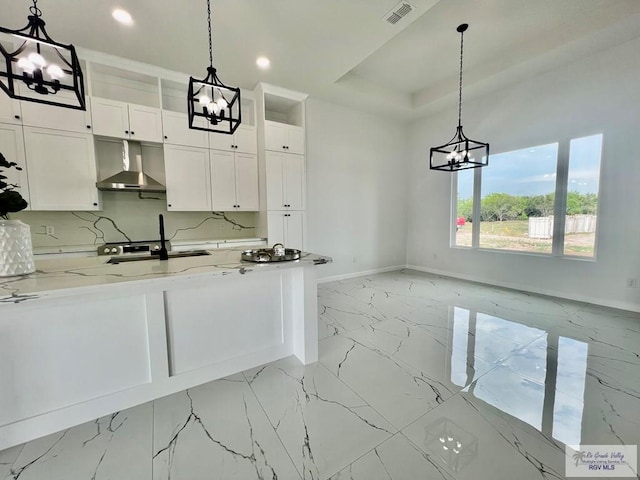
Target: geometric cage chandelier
(460, 153)
(42, 65)
(217, 104)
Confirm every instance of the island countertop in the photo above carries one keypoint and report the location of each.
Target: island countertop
(57, 276)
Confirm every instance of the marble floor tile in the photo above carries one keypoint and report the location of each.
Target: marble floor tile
(216, 431)
(322, 423)
(395, 459)
(471, 440)
(7, 458)
(399, 392)
(116, 446)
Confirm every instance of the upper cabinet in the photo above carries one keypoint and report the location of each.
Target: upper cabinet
(125, 104)
(243, 140)
(47, 116)
(177, 132)
(285, 179)
(9, 109)
(281, 137)
(12, 147)
(122, 120)
(188, 178)
(61, 170)
(234, 181)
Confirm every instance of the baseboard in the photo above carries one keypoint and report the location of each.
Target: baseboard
(632, 307)
(346, 276)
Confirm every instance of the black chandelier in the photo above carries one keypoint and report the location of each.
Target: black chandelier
(45, 66)
(460, 153)
(212, 100)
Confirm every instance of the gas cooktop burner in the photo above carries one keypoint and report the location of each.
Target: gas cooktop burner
(128, 248)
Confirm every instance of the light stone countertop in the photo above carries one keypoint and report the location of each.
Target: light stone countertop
(63, 276)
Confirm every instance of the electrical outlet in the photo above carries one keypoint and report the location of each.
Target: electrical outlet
(632, 282)
(49, 230)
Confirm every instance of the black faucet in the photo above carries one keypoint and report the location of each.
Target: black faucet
(163, 254)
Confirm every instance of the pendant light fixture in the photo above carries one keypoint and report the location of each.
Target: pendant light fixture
(40, 68)
(212, 100)
(460, 153)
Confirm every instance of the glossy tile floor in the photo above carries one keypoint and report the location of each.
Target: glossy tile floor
(420, 377)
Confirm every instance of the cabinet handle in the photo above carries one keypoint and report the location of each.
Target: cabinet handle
(95, 204)
(88, 126)
(17, 117)
(127, 132)
(165, 137)
(132, 132)
(169, 205)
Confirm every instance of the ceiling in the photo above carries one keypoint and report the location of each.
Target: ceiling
(343, 50)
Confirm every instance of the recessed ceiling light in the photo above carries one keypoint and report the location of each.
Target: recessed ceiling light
(122, 16)
(263, 62)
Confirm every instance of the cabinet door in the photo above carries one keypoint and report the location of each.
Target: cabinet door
(245, 139)
(62, 170)
(145, 123)
(295, 139)
(275, 180)
(294, 230)
(275, 136)
(247, 197)
(293, 172)
(12, 147)
(10, 109)
(187, 177)
(221, 141)
(110, 118)
(275, 228)
(223, 180)
(47, 116)
(176, 131)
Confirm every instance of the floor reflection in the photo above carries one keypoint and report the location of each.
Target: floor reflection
(539, 376)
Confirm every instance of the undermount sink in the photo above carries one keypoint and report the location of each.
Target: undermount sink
(141, 258)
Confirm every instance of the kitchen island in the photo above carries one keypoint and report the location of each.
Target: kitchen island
(81, 338)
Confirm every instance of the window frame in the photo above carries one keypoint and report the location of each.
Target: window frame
(559, 211)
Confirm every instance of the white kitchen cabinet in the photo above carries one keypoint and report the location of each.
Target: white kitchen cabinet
(281, 137)
(57, 118)
(9, 109)
(61, 170)
(188, 178)
(234, 181)
(286, 228)
(177, 132)
(243, 140)
(12, 147)
(126, 120)
(285, 175)
(210, 322)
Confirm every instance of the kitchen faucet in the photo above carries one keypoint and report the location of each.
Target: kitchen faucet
(163, 255)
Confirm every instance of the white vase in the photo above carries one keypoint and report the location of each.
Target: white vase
(16, 252)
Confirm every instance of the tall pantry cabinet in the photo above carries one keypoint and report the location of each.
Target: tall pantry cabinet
(281, 155)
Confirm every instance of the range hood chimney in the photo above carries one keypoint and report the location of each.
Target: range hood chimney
(130, 179)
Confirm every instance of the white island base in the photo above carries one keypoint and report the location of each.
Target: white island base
(72, 355)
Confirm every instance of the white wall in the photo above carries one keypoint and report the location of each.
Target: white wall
(356, 189)
(599, 93)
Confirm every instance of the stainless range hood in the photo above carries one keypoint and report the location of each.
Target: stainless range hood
(134, 180)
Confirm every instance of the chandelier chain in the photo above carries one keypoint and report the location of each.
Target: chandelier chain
(460, 91)
(35, 10)
(209, 21)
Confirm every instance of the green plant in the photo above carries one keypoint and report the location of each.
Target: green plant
(10, 199)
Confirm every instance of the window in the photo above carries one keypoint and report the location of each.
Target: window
(540, 199)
